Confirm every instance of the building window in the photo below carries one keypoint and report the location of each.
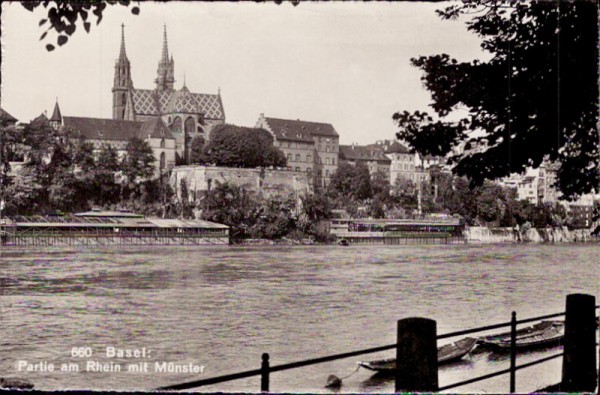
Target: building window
(309, 171)
(162, 143)
(162, 160)
(298, 169)
(289, 157)
(297, 157)
(309, 158)
(326, 148)
(326, 161)
(177, 125)
(326, 173)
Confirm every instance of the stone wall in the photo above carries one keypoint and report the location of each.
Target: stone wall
(200, 179)
(481, 234)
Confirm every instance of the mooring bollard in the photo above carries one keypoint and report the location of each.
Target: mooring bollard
(416, 355)
(579, 361)
(264, 374)
(513, 352)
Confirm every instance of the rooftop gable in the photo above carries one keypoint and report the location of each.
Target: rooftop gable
(106, 129)
(297, 129)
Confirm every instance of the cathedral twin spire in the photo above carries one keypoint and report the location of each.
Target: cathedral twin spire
(166, 67)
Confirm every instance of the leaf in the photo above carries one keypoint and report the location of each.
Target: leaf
(62, 39)
(70, 29)
(135, 10)
(49, 47)
(43, 21)
(86, 26)
(43, 35)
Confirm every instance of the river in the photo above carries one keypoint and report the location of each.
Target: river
(220, 308)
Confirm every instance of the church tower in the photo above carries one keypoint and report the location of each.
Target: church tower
(166, 68)
(122, 82)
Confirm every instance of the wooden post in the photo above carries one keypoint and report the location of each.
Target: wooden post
(416, 356)
(579, 361)
(513, 352)
(264, 374)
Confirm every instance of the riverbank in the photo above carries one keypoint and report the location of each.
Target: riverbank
(481, 234)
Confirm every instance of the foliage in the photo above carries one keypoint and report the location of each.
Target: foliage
(236, 146)
(276, 219)
(138, 164)
(544, 107)
(196, 150)
(405, 193)
(63, 16)
(233, 206)
(351, 182)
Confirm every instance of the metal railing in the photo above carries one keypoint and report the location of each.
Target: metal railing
(266, 369)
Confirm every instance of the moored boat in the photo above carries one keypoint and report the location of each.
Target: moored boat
(446, 354)
(344, 242)
(545, 333)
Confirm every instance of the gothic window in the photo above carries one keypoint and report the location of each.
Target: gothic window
(162, 160)
(189, 126)
(162, 143)
(177, 126)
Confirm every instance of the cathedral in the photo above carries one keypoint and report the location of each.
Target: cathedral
(186, 114)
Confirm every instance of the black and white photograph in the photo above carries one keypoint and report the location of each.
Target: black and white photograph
(300, 196)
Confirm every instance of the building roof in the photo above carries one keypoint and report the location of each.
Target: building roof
(153, 102)
(56, 116)
(6, 118)
(117, 129)
(361, 152)
(287, 129)
(156, 129)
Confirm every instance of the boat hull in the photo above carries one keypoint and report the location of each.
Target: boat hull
(446, 354)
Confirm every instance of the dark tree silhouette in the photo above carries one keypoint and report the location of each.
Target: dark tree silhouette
(62, 16)
(535, 99)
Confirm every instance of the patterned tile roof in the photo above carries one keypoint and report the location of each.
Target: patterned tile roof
(115, 129)
(287, 129)
(152, 102)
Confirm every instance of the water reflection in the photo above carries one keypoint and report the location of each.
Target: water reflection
(224, 306)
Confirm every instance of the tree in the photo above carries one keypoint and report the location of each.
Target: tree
(196, 150)
(236, 146)
(63, 16)
(104, 186)
(233, 206)
(535, 99)
(351, 182)
(138, 163)
(405, 193)
(276, 218)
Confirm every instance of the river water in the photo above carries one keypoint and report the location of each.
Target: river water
(220, 308)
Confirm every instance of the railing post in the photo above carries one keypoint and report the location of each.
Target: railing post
(513, 352)
(264, 374)
(416, 356)
(579, 360)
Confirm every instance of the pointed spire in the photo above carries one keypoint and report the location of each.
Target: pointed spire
(165, 49)
(56, 115)
(184, 80)
(122, 54)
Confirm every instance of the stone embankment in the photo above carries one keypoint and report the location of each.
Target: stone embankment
(481, 234)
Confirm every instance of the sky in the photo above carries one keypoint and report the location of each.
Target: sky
(347, 64)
